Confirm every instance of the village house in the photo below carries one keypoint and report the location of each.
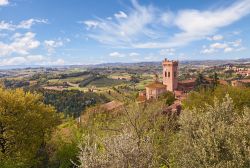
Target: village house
(242, 82)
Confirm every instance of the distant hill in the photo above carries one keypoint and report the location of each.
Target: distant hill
(186, 62)
(119, 64)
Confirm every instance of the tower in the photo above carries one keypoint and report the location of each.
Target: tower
(170, 74)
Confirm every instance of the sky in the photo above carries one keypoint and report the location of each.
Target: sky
(77, 32)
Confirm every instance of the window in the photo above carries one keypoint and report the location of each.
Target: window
(165, 73)
(168, 74)
(175, 74)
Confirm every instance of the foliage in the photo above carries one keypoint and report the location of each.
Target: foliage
(240, 96)
(168, 97)
(215, 136)
(138, 137)
(15, 83)
(63, 145)
(71, 102)
(75, 74)
(25, 125)
(100, 81)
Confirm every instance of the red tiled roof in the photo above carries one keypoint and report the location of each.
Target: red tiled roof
(112, 105)
(187, 81)
(156, 85)
(141, 98)
(244, 80)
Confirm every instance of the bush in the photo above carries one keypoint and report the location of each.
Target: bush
(214, 136)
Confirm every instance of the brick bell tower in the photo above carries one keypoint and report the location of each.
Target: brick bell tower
(170, 74)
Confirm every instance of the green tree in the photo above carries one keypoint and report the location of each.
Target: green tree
(215, 136)
(25, 125)
(138, 137)
(64, 144)
(168, 97)
(215, 80)
(198, 99)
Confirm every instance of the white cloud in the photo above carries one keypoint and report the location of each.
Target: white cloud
(50, 45)
(145, 26)
(167, 18)
(125, 31)
(217, 37)
(25, 24)
(133, 54)
(4, 2)
(223, 47)
(120, 15)
(122, 55)
(228, 49)
(218, 45)
(6, 26)
(236, 43)
(21, 44)
(90, 24)
(30, 60)
(167, 51)
(117, 55)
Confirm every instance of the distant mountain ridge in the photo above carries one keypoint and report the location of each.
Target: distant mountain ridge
(152, 63)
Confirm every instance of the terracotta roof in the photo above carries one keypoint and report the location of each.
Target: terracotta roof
(244, 80)
(223, 82)
(187, 81)
(156, 85)
(141, 98)
(112, 105)
(178, 92)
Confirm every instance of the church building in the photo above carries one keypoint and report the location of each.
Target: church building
(170, 80)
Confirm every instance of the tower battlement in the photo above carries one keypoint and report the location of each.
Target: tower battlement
(169, 62)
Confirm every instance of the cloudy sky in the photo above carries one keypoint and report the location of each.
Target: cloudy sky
(57, 32)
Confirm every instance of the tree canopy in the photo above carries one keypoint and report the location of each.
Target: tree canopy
(25, 124)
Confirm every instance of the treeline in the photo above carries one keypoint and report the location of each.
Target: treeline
(75, 74)
(100, 81)
(15, 83)
(72, 102)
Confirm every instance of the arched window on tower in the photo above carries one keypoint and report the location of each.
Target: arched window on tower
(168, 74)
(165, 73)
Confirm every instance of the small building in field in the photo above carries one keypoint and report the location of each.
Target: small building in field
(142, 97)
(113, 105)
(186, 85)
(154, 90)
(242, 82)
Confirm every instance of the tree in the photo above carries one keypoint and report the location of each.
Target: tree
(168, 97)
(198, 99)
(214, 136)
(63, 145)
(25, 125)
(200, 82)
(138, 137)
(215, 80)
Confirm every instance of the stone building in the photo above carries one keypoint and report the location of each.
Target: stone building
(170, 80)
(154, 90)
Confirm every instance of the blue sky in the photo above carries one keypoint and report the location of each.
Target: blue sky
(63, 32)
